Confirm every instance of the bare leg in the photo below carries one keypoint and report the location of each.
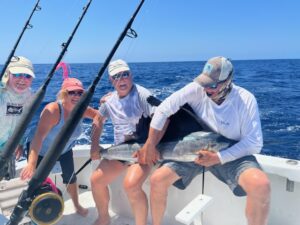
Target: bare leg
(106, 172)
(73, 192)
(257, 186)
(160, 180)
(133, 182)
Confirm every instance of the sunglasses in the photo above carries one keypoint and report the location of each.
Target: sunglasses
(75, 93)
(118, 76)
(21, 75)
(214, 85)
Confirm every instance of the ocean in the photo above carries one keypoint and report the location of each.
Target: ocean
(275, 83)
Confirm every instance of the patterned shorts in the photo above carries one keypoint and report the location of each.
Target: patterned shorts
(228, 173)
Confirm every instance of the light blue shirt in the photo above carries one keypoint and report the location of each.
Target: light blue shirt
(55, 130)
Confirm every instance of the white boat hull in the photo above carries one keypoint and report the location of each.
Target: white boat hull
(223, 209)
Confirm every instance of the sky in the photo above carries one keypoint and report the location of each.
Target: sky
(168, 30)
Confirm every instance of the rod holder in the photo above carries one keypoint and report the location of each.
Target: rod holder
(290, 185)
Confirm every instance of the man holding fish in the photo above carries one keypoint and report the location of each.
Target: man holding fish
(228, 110)
(125, 107)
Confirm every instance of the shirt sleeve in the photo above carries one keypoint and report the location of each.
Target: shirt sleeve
(103, 110)
(172, 104)
(2, 104)
(251, 134)
(147, 107)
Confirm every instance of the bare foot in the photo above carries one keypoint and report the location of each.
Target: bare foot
(82, 211)
(103, 221)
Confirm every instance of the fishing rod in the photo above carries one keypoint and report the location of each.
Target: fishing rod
(28, 113)
(64, 134)
(26, 26)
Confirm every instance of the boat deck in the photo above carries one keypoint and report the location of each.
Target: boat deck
(224, 209)
(86, 199)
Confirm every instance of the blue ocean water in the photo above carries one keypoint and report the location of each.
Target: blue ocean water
(275, 83)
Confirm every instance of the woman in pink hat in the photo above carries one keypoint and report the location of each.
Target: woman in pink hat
(51, 121)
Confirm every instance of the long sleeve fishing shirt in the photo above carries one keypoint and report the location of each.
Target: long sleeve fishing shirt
(11, 107)
(237, 118)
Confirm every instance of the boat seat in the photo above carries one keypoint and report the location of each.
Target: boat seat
(191, 213)
(9, 195)
(288, 168)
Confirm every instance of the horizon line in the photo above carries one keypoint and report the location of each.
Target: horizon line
(175, 61)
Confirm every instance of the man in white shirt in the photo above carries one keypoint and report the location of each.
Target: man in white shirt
(125, 107)
(226, 109)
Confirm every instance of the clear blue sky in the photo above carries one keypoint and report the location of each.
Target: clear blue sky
(169, 30)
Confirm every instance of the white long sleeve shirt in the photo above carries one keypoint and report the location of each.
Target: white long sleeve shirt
(237, 118)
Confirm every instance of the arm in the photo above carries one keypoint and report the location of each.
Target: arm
(49, 118)
(251, 141)
(148, 154)
(249, 132)
(19, 152)
(97, 127)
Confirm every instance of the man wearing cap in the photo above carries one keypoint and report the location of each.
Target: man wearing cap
(226, 109)
(125, 107)
(14, 95)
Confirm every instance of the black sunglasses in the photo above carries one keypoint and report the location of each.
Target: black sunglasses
(75, 93)
(118, 76)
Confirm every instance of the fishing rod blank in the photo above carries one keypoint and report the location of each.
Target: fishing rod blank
(63, 136)
(27, 26)
(28, 113)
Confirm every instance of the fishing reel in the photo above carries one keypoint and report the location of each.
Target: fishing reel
(47, 205)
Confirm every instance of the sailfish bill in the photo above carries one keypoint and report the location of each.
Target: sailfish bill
(183, 150)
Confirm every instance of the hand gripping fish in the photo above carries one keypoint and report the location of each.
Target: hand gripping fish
(183, 150)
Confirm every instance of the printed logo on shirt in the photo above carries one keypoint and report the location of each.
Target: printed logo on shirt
(224, 123)
(13, 109)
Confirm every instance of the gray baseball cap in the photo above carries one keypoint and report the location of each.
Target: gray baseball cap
(216, 69)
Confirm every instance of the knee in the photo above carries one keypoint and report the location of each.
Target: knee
(157, 182)
(131, 185)
(95, 178)
(258, 185)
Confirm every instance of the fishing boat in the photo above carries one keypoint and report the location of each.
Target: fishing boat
(215, 205)
(206, 201)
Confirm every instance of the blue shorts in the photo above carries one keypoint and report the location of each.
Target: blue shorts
(67, 167)
(228, 173)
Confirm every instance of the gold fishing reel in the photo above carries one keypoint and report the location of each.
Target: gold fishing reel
(46, 208)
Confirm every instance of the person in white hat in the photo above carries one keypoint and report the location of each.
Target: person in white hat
(125, 107)
(14, 95)
(229, 110)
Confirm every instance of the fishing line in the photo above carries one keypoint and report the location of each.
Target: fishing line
(64, 135)
(61, 139)
(89, 160)
(132, 34)
(32, 107)
(141, 26)
(26, 26)
(67, 184)
(48, 45)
